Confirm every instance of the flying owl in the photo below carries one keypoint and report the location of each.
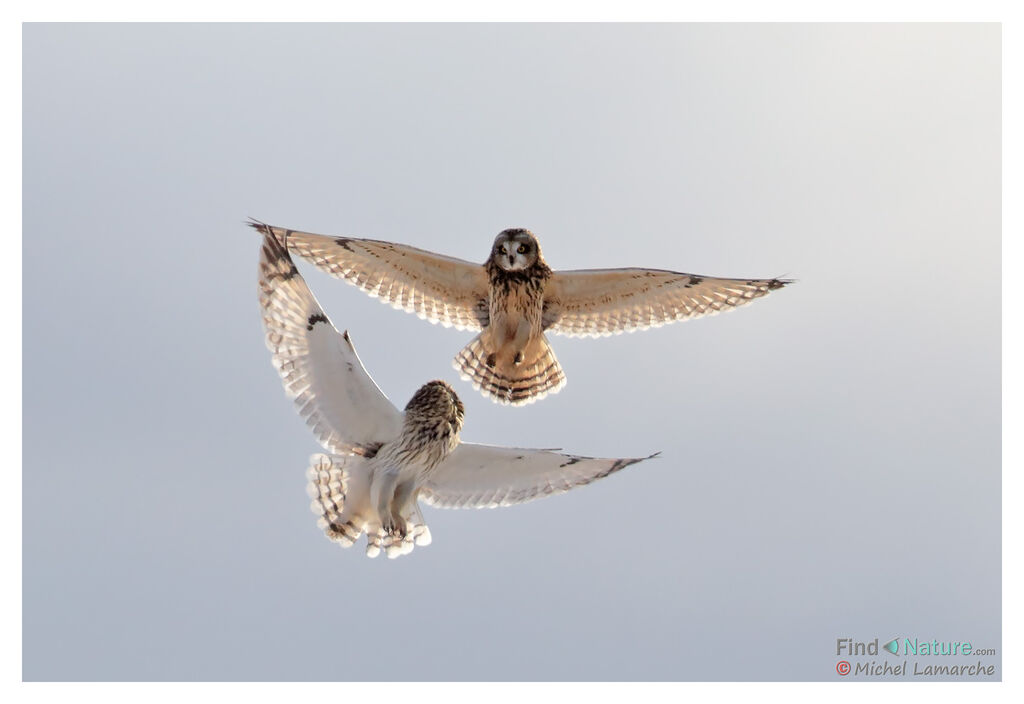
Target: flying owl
(515, 298)
(382, 461)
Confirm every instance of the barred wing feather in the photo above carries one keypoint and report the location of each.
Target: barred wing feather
(319, 367)
(597, 302)
(445, 290)
(484, 476)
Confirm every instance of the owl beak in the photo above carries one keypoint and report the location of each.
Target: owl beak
(511, 259)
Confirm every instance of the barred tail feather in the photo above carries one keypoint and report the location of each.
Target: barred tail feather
(339, 487)
(534, 378)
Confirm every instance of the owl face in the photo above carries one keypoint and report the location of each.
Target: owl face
(515, 250)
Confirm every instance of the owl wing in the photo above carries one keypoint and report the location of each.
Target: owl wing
(484, 476)
(320, 369)
(596, 302)
(440, 289)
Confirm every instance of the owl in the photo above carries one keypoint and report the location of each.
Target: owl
(515, 298)
(381, 462)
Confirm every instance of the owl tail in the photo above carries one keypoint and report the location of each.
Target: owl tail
(496, 374)
(340, 491)
(339, 487)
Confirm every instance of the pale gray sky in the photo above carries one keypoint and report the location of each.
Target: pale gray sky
(830, 454)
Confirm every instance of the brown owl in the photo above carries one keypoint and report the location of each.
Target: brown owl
(514, 298)
(383, 461)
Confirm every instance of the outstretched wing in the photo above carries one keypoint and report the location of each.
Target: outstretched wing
(596, 302)
(484, 476)
(319, 367)
(440, 289)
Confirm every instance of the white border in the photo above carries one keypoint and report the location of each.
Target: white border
(551, 10)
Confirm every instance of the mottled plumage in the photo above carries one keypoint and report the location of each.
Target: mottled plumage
(515, 298)
(510, 360)
(383, 461)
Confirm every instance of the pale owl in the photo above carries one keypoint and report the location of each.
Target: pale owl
(383, 461)
(514, 298)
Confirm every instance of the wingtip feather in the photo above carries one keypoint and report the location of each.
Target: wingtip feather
(258, 225)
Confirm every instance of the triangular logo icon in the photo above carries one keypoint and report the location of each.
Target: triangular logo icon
(893, 646)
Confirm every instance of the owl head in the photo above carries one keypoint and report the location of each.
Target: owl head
(516, 249)
(436, 404)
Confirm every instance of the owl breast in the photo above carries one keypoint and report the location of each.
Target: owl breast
(516, 304)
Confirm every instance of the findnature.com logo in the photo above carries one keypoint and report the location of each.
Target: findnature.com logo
(912, 647)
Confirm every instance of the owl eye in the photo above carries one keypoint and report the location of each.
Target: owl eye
(522, 249)
(502, 249)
